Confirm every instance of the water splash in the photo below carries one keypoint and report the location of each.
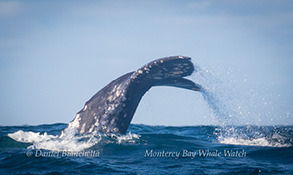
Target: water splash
(232, 105)
(128, 138)
(273, 136)
(29, 137)
(220, 95)
(70, 140)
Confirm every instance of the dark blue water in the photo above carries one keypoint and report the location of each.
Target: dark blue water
(148, 150)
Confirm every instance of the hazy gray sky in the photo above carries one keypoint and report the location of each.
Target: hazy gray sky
(54, 55)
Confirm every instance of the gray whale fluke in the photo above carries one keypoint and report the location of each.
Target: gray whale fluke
(111, 109)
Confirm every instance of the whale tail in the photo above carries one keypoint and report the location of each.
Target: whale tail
(167, 71)
(112, 108)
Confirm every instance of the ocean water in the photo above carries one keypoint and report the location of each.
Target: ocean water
(148, 150)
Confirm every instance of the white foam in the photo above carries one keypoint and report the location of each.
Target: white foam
(69, 140)
(252, 142)
(129, 138)
(30, 137)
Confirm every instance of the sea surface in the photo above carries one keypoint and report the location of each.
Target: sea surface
(148, 150)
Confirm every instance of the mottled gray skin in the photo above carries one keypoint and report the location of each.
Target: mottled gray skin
(111, 109)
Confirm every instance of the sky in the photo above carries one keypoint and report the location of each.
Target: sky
(55, 55)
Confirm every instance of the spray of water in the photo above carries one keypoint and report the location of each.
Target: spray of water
(236, 109)
(220, 95)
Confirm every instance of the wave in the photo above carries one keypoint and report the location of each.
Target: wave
(252, 142)
(30, 137)
(142, 134)
(70, 140)
(269, 136)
